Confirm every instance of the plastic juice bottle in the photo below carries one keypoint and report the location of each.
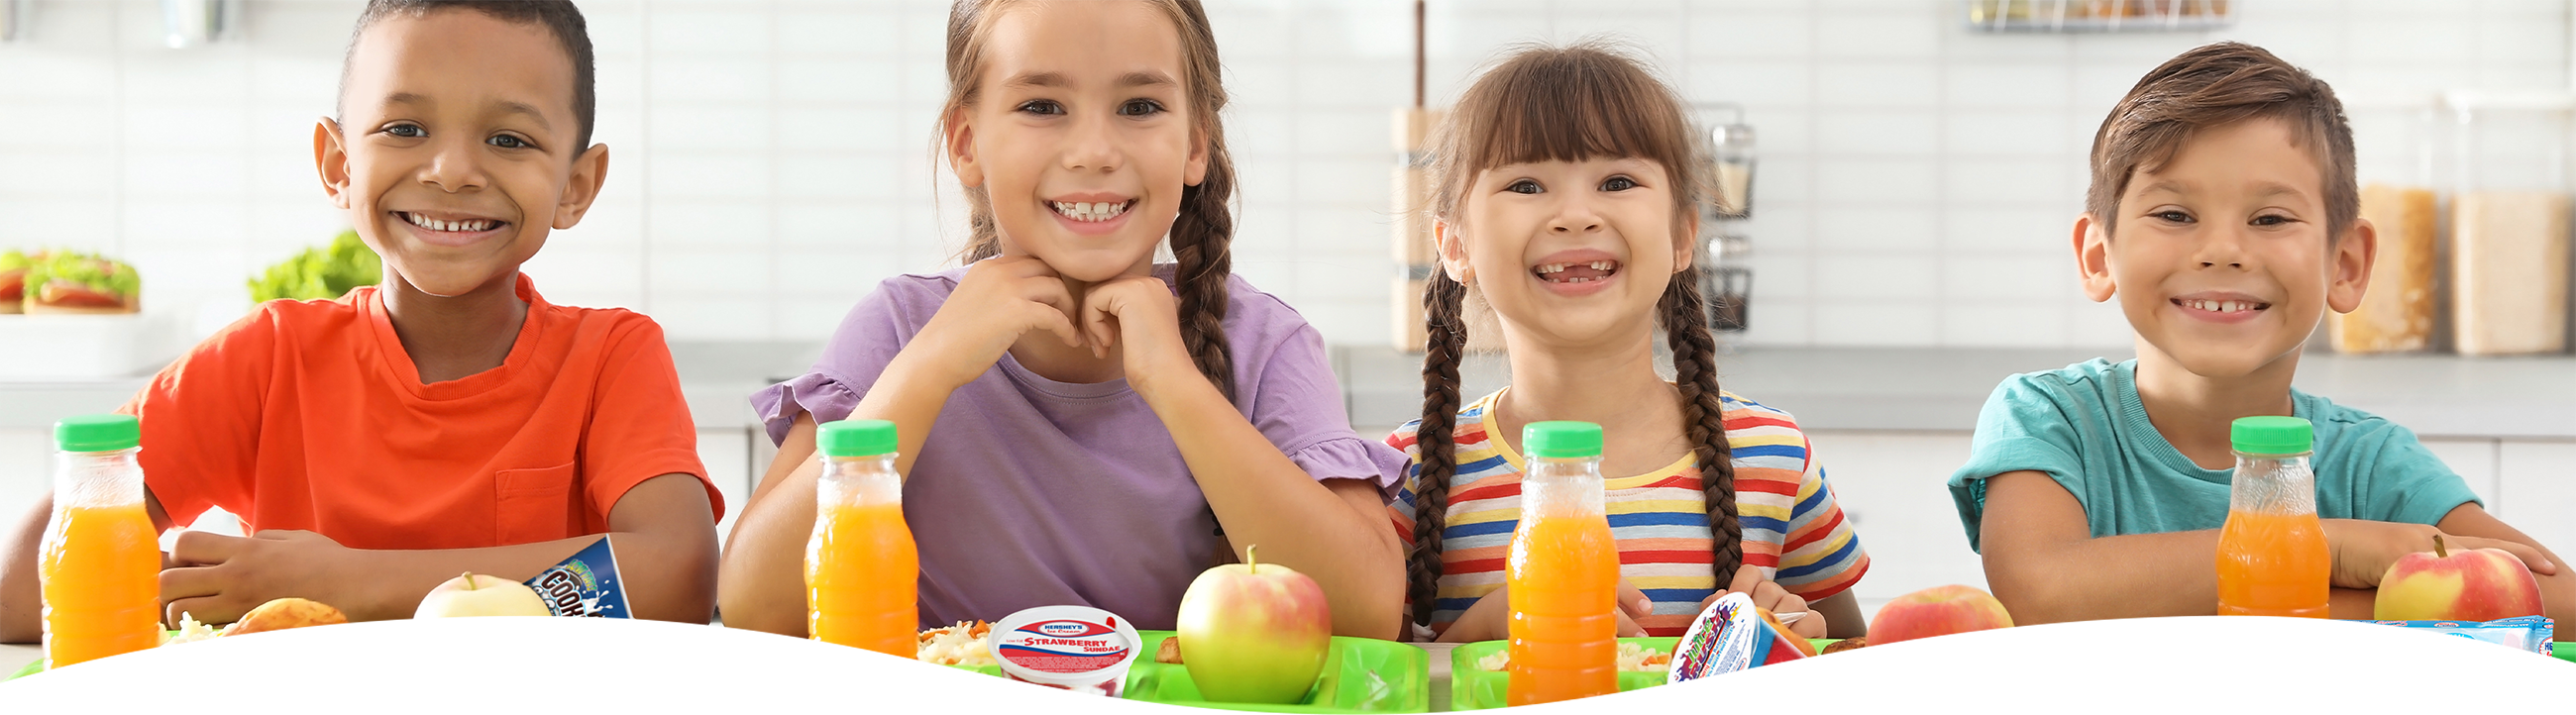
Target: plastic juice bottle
(2272, 555)
(1564, 571)
(860, 567)
(101, 564)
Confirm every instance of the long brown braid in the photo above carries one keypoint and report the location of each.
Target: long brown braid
(1435, 441)
(1202, 232)
(1543, 103)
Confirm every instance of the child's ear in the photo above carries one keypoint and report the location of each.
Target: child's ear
(331, 160)
(2093, 258)
(2350, 266)
(1453, 251)
(589, 172)
(960, 144)
(1195, 171)
(1689, 243)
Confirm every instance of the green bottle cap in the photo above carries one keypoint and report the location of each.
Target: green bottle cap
(2272, 435)
(98, 433)
(855, 438)
(1562, 439)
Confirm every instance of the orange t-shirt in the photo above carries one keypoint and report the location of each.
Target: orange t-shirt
(309, 415)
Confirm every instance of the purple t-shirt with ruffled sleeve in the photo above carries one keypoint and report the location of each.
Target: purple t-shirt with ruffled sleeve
(1032, 492)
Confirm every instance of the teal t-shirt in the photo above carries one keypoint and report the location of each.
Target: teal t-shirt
(2083, 426)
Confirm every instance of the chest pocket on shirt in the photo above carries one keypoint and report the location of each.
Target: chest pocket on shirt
(532, 504)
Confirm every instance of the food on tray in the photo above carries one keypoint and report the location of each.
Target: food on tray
(1169, 653)
(2456, 585)
(1077, 648)
(13, 281)
(191, 679)
(67, 282)
(483, 644)
(584, 585)
(1943, 649)
(323, 273)
(1254, 632)
(1852, 643)
(1633, 658)
(286, 657)
(1730, 635)
(966, 643)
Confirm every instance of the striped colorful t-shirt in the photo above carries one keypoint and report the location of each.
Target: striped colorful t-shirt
(1793, 531)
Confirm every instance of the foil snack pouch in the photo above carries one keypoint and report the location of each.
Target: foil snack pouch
(585, 585)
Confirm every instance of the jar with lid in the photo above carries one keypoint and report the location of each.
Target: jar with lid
(2509, 222)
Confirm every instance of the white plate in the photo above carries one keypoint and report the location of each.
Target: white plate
(85, 347)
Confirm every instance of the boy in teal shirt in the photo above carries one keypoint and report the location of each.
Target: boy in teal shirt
(2223, 215)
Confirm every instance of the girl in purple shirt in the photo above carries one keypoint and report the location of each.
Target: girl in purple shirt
(1078, 424)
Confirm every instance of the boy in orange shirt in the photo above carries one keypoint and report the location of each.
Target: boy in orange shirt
(449, 419)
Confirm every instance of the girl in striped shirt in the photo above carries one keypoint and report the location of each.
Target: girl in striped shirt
(1564, 191)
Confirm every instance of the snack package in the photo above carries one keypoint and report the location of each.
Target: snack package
(1732, 635)
(593, 634)
(1077, 648)
(2405, 666)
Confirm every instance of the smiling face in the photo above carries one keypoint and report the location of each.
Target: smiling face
(457, 151)
(1569, 253)
(1081, 135)
(2221, 258)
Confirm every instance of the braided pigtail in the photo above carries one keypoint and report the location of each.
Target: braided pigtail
(1436, 440)
(1685, 318)
(1203, 259)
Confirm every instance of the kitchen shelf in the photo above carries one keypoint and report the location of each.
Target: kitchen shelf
(2098, 16)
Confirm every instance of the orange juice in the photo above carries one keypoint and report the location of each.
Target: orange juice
(860, 567)
(101, 574)
(2272, 554)
(1563, 572)
(100, 565)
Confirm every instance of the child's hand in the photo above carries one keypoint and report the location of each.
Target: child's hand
(1140, 318)
(997, 301)
(2363, 549)
(1769, 595)
(219, 578)
(1490, 618)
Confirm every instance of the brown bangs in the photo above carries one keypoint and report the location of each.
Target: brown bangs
(1583, 101)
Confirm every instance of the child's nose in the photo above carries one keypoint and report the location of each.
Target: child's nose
(1092, 146)
(456, 167)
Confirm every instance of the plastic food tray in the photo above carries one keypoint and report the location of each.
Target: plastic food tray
(38, 665)
(1475, 688)
(1361, 675)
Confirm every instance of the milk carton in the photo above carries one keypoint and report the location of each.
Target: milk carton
(593, 634)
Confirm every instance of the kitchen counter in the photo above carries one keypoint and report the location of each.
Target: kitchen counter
(1827, 388)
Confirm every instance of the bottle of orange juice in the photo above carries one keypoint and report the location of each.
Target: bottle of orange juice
(1564, 571)
(101, 564)
(2272, 555)
(860, 567)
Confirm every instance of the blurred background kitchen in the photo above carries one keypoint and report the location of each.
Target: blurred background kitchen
(1901, 244)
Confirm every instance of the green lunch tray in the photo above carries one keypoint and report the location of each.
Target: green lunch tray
(38, 665)
(2564, 650)
(1361, 675)
(1475, 688)
(24, 690)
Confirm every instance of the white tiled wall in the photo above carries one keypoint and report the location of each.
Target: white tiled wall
(771, 157)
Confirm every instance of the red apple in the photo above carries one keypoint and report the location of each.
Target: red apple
(2466, 585)
(1254, 634)
(1941, 652)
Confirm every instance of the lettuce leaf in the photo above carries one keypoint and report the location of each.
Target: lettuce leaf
(87, 270)
(323, 273)
(12, 259)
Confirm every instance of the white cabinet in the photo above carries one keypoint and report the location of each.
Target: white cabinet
(1890, 486)
(2473, 459)
(2536, 485)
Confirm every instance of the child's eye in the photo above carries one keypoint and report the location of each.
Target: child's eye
(2173, 216)
(506, 141)
(1523, 186)
(407, 131)
(1140, 108)
(2271, 220)
(1618, 183)
(1042, 106)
